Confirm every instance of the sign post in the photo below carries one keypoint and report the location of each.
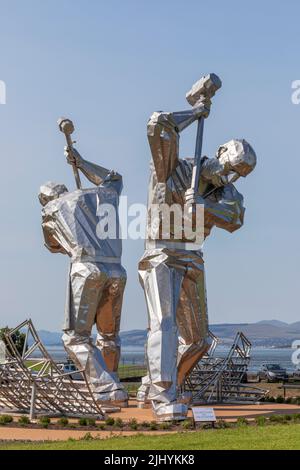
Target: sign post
(203, 415)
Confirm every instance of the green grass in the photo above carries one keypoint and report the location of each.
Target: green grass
(276, 437)
(131, 370)
(125, 370)
(36, 368)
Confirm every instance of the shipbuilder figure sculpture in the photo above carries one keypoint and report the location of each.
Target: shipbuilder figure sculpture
(171, 270)
(74, 224)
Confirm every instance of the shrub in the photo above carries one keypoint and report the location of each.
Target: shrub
(260, 420)
(82, 422)
(63, 421)
(145, 424)
(165, 426)
(24, 420)
(101, 426)
(91, 422)
(298, 401)
(44, 421)
(187, 424)
(277, 419)
(208, 425)
(87, 437)
(270, 399)
(287, 417)
(289, 400)
(222, 424)
(133, 424)
(242, 421)
(296, 417)
(279, 399)
(109, 421)
(118, 423)
(5, 419)
(153, 426)
(176, 423)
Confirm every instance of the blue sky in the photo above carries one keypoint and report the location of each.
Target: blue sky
(109, 65)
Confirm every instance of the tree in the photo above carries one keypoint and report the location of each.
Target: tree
(18, 339)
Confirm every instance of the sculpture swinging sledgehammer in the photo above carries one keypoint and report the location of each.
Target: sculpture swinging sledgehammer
(97, 279)
(171, 270)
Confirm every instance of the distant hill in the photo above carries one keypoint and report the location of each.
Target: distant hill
(272, 322)
(263, 333)
(50, 338)
(133, 337)
(268, 333)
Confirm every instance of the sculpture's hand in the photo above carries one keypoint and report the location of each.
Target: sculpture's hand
(73, 157)
(202, 107)
(190, 197)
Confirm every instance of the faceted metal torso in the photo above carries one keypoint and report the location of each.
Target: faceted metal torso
(72, 226)
(73, 220)
(171, 275)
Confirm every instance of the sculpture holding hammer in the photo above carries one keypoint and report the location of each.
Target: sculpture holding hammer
(171, 270)
(97, 279)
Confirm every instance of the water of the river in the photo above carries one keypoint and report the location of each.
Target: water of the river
(259, 356)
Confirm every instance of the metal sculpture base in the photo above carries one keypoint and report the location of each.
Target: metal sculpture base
(220, 380)
(37, 386)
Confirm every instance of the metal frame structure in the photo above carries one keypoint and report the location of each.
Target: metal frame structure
(37, 386)
(216, 379)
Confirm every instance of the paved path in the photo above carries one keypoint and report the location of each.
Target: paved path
(227, 412)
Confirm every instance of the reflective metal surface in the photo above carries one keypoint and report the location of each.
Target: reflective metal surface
(32, 382)
(171, 270)
(221, 379)
(74, 224)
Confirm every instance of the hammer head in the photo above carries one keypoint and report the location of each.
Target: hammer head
(206, 86)
(66, 126)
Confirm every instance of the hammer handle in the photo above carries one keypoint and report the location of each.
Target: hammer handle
(75, 169)
(198, 154)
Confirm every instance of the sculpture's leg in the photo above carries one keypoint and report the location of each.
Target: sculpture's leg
(161, 281)
(108, 319)
(142, 395)
(192, 318)
(85, 289)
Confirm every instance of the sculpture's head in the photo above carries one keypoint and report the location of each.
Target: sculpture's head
(50, 191)
(238, 158)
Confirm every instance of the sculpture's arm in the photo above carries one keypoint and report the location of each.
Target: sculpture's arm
(183, 119)
(51, 242)
(163, 135)
(95, 174)
(225, 209)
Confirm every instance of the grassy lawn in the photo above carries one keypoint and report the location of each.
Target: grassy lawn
(131, 370)
(125, 370)
(31, 363)
(276, 437)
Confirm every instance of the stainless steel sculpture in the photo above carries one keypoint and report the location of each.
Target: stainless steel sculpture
(171, 270)
(74, 224)
(32, 383)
